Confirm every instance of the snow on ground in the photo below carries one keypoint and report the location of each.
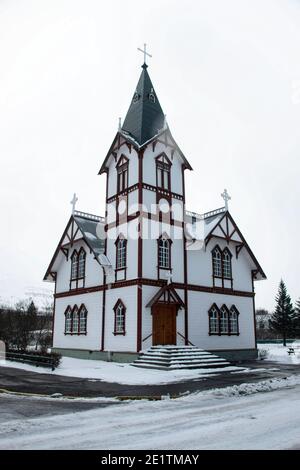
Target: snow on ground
(128, 375)
(120, 373)
(219, 419)
(279, 353)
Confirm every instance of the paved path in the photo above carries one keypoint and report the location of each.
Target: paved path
(18, 380)
(14, 408)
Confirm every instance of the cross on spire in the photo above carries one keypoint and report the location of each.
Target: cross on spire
(73, 202)
(226, 198)
(144, 51)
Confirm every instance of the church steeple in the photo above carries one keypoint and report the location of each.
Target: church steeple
(144, 118)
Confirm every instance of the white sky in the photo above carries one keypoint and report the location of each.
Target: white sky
(228, 77)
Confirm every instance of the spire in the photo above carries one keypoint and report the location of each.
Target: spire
(144, 118)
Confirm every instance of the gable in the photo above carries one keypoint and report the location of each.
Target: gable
(80, 226)
(226, 229)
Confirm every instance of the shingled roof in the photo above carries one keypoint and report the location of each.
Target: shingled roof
(145, 117)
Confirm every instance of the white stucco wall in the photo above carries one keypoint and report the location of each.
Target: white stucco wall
(93, 271)
(199, 304)
(128, 342)
(200, 266)
(91, 341)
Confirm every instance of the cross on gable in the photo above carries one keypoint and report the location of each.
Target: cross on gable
(73, 202)
(226, 198)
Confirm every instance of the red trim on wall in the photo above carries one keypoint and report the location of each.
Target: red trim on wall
(156, 283)
(54, 306)
(254, 316)
(185, 270)
(140, 254)
(104, 278)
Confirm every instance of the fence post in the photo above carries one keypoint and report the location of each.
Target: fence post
(2, 352)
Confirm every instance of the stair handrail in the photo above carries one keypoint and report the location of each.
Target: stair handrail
(185, 339)
(147, 337)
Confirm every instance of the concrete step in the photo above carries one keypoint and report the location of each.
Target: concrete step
(179, 357)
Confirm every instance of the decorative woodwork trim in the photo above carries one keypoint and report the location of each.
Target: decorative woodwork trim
(156, 283)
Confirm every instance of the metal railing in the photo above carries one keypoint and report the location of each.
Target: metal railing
(86, 215)
(147, 337)
(183, 337)
(206, 215)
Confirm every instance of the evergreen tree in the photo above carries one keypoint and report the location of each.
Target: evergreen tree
(297, 318)
(283, 319)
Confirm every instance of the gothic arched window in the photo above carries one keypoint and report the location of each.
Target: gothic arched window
(120, 316)
(74, 265)
(82, 320)
(234, 320)
(121, 249)
(213, 315)
(227, 273)
(163, 172)
(68, 321)
(75, 320)
(164, 253)
(122, 174)
(81, 263)
(224, 320)
(77, 266)
(217, 262)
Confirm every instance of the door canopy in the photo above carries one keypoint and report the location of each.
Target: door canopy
(168, 295)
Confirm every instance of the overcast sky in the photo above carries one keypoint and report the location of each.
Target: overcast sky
(227, 74)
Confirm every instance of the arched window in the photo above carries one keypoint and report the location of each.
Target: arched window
(121, 248)
(75, 322)
(213, 316)
(227, 274)
(81, 263)
(120, 313)
(74, 265)
(122, 174)
(68, 321)
(224, 320)
(217, 262)
(234, 320)
(164, 253)
(163, 170)
(82, 320)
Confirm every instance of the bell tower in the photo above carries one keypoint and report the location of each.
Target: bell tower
(145, 199)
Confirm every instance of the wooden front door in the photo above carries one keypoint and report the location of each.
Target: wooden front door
(164, 324)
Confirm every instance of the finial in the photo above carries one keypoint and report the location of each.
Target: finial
(73, 202)
(144, 51)
(226, 198)
(165, 122)
(120, 123)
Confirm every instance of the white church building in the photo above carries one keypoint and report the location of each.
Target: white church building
(150, 272)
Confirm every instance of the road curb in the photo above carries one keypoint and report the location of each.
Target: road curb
(68, 397)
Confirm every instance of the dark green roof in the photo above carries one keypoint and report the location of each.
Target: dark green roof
(144, 117)
(89, 230)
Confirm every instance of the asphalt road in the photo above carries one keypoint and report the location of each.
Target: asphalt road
(19, 407)
(16, 407)
(18, 380)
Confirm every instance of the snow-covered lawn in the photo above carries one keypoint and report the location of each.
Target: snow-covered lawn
(120, 373)
(231, 418)
(129, 375)
(279, 353)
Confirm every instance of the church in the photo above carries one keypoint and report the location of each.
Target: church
(149, 272)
